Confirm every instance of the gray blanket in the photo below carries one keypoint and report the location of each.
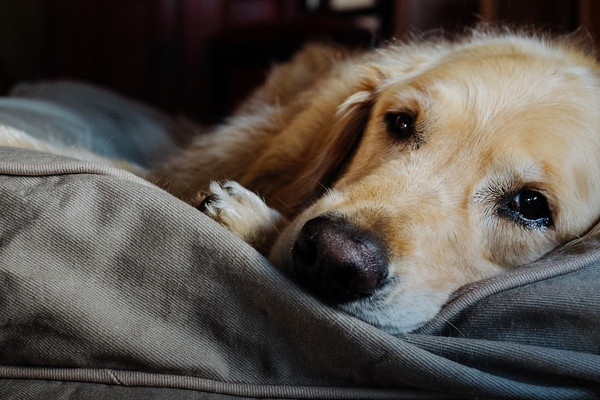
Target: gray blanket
(112, 288)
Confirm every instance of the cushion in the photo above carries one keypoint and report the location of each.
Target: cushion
(112, 288)
(81, 115)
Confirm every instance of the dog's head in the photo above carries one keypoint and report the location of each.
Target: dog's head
(472, 158)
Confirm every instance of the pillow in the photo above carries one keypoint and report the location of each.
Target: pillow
(81, 115)
(112, 288)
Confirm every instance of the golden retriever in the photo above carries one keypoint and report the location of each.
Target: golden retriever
(394, 177)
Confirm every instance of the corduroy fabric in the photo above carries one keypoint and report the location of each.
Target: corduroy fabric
(110, 287)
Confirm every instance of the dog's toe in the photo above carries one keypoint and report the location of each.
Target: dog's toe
(205, 204)
(242, 211)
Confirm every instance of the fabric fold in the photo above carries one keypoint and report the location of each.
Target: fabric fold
(107, 279)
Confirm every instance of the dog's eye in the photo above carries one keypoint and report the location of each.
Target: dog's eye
(530, 208)
(400, 124)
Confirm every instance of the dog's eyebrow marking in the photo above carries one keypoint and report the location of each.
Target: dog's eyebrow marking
(507, 180)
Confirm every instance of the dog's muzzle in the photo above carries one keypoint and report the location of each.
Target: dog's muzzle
(338, 261)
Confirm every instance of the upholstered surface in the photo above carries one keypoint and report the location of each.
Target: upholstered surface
(112, 288)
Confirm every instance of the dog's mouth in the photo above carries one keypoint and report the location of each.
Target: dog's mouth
(338, 261)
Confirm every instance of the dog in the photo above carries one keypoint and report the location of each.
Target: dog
(382, 181)
(390, 178)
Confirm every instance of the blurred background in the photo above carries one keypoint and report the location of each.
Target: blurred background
(200, 57)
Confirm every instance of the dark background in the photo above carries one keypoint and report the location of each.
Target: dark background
(199, 57)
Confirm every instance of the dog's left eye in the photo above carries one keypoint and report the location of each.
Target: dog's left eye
(530, 208)
(400, 124)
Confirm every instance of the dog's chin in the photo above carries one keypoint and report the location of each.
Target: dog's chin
(393, 307)
(393, 319)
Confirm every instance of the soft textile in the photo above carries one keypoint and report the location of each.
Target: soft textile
(80, 115)
(112, 288)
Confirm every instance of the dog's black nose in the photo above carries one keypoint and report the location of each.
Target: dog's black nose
(338, 261)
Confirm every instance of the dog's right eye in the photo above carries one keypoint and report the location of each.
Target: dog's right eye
(400, 124)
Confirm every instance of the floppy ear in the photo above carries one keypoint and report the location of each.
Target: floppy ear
(334, 152)
(345, 136)
(304, 162)
(346, 132)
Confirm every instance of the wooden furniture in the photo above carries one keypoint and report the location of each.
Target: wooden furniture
(199, 57)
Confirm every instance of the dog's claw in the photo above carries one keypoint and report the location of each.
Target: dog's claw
(211, 198)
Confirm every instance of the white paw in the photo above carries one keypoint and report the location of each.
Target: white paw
(242, 211)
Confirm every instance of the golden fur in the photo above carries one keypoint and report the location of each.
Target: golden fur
(497, 118)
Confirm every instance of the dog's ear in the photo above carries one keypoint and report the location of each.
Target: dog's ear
(296, 179)
(351, 121)
(340, 140)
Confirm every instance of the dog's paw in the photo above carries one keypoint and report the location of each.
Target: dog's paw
(243, 212)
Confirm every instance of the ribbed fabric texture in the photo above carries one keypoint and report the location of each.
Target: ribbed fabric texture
(116, 289)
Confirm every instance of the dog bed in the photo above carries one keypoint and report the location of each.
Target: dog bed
(112, 288)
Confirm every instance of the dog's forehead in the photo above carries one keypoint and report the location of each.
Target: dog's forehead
(515, 114)
(506, 94)
(501, 74)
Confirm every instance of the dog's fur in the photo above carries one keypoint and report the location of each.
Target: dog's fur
(396, 176)
(455, 160)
